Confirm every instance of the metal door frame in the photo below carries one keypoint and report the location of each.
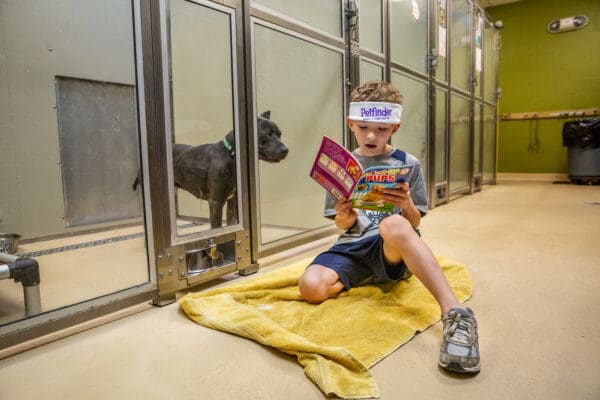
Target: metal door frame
(476, 100)
(486, 102)
(438, 193)
(172, 251)
(257, 14)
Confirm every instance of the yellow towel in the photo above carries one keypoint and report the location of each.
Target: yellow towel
(336, 341)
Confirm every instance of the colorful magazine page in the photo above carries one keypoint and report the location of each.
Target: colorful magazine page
(372, 183)
(336, 169)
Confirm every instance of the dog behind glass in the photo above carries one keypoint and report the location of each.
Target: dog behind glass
(208, 171)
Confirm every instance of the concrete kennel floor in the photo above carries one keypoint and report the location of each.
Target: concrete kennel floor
(533, 253)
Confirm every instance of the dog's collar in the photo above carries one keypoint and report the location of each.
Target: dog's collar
(229, 148)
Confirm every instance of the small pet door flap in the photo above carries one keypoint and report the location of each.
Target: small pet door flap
(98, 139)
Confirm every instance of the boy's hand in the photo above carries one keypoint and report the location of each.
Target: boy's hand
(398, 196)
(345, 215)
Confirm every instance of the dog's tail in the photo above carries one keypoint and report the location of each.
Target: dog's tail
(137, 182)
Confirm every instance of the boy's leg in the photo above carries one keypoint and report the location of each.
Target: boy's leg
(318, 283)
(401, 242)
(460, 349)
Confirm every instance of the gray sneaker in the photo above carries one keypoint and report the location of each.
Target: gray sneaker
(460, 350)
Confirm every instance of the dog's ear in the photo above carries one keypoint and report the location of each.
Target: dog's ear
(266, 114)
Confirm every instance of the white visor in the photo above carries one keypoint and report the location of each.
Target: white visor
(375, 111)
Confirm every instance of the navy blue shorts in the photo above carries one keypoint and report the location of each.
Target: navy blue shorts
(361, 262)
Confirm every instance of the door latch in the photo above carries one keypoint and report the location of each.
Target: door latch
(352, 13)
(433, 58)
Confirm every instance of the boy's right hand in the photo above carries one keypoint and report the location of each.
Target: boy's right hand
(345, 215)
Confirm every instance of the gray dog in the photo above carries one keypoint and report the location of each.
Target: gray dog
(208, 171)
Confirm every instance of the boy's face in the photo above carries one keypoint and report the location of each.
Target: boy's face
(372, 137)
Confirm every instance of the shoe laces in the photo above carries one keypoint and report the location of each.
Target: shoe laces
(459, 329)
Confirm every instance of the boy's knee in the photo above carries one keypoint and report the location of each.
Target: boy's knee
(309, 288)
(395, 227)
(312, 287)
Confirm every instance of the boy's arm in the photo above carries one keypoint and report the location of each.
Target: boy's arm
(412, 214)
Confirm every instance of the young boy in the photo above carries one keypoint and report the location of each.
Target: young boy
(378, 247)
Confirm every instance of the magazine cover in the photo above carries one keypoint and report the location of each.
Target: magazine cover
(336, 169)
(372, 183)
(340, 173)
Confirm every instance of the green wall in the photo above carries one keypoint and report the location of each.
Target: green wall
(540, 71)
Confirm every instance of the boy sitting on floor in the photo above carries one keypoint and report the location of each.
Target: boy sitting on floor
(381, 247)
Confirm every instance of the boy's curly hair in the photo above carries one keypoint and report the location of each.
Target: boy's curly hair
(376, 91)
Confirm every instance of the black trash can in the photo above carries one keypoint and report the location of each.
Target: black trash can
(582, 139)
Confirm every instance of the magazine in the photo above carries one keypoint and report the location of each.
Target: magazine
(340, 173)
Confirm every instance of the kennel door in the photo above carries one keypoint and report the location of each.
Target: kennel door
(206, 232)
(203, 121)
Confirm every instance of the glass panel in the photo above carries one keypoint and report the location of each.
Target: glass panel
(325, 15)
(370, 71)
(489, 143)
(204, 168)
(477, 135)
(478, 53)
(441, 100)
(69, 150)
(441, 41)
(460, 51)
(412, 135)
(409, 20)
(459, 144)
(291, 202)
(489, 63)
(370, 25)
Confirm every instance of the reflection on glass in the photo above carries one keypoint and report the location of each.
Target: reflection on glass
(66, 181)
(477, 68)
(204, 150)
(459, 144)
(412, 136)
(304, 92)
(441, 100)
(489, 63)
(441, 40)
(325, 15)
(370, 71)
(371, 26)
(489, 143)
(409, 20)
(461, 44)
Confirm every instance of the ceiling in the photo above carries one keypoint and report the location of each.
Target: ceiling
(492, 3)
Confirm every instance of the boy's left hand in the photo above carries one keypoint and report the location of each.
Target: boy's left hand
(398, 196)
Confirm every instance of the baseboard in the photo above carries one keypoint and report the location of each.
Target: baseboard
(530, 177)
(63, 333)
